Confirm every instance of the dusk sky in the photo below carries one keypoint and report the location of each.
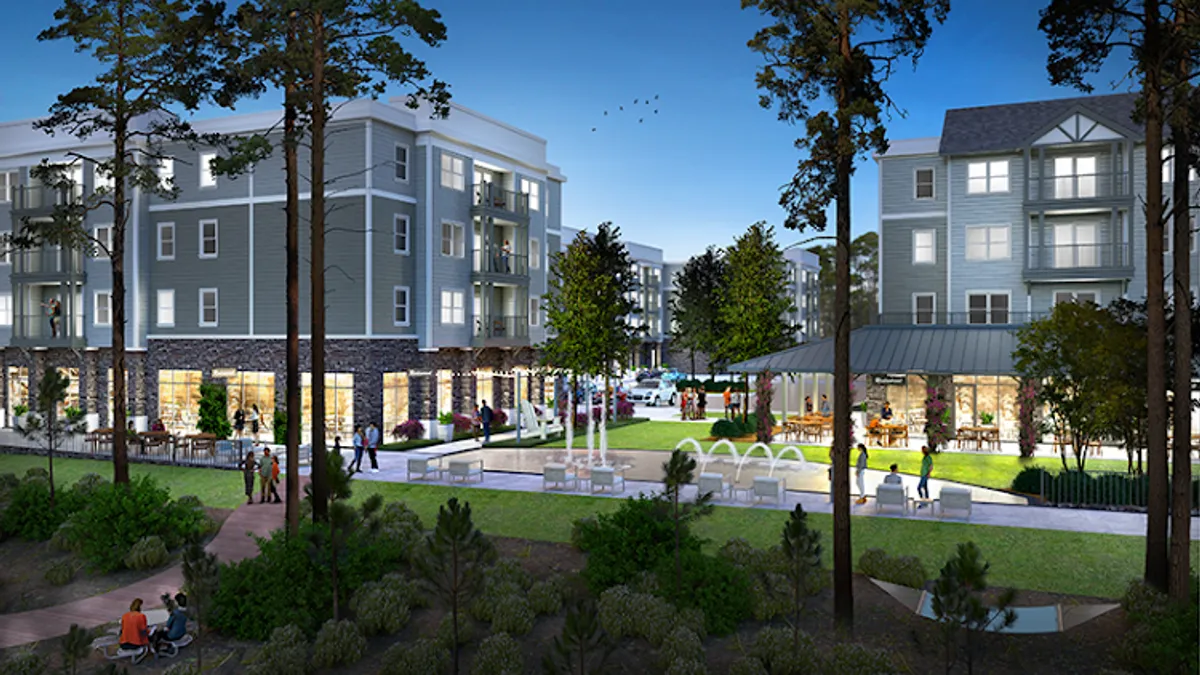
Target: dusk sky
(710, 163)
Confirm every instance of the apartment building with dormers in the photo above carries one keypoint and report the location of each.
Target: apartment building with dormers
(436, 248)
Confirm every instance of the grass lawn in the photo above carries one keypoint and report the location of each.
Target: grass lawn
(1064, 562)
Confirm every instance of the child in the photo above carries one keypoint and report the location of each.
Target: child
(248, 467)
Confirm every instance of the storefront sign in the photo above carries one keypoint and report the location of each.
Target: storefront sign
(224, 373)
(890, 378)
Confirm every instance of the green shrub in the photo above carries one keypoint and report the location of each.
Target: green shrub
(615, 611)
(183, 668)
(724, 428)
(633, 538)
(653, 618)
(1029, 480)
(687, 667)
(286, 653)
(681, 644)
(692, 618)
(338, 643)
(854, 659)
(714, 585)
(279, 425)
(24, 662)
(147, 554)
(9, 481)
(383, 606)
(498, 654)
(37, 472)
(29, 514)
(400, 527)
(1162, 633)
(214, 410)
(903, 570)
(545, 597)
(747, 665)
(66, 539)
(762, 569)
(773, 648)
(60, 573)
(507, 571)
(466, 630)
(422, 657)
(89, 483)
(512, 615)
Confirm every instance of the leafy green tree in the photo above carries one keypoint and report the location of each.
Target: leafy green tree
(452, 563)
(155, 57)
(1083, 34)
(678, 471)
(201, 576)
(864, 283)
(582, 642)
(801, 548)
(695, 304)
(45, 423)
(958, 604)
(837, 53)
(753, 310)
(214, 409)
(1124, 413)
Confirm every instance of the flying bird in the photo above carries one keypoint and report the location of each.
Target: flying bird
(656, 97)
(655, 112)
(606, 113)
(639, 120)
(621, 107)
(593, 128)
(635, 101)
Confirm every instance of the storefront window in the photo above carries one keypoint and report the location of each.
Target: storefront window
(908, 400)
(339, 406)
(395, 401)
(485, 386)
(248, 389)
(110, 381)
(996, 396)
(445, 391)
(71, 399)
(179, 399)
(18, 387)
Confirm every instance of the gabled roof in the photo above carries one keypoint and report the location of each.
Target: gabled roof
(932, 350)
(1007, 128)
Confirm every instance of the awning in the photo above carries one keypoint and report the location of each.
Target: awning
(932, 350)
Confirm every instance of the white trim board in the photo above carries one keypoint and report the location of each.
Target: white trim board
(913, 216)
(278, 199)
(303, 336)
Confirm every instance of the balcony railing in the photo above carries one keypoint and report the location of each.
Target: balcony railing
(1080, 186)
(977, 317)
(502, 327)
(47, 261)
(490, 195)
(495, 260)
(1080, 257)
(35, 197)
(33, 330)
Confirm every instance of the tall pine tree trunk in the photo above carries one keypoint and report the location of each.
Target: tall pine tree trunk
(1181, 481)
(320, 487)
(843, 580)
(120, 216)
(1156, 327)
(292, 252)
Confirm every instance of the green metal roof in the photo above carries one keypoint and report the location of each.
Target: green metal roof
(935, 350)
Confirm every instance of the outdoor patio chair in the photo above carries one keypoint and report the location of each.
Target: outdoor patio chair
(558, 475)
(419, 466)
(466, 470)
(608, 477)
(769, 486)
(714, 483)
(891, 495)
(955, 498)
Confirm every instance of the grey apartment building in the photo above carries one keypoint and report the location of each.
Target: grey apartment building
(437, 240)
(1010, 211)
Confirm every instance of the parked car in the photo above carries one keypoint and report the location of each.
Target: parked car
(653, 392)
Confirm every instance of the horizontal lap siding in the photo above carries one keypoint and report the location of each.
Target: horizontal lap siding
(187, 273)
(392, 269)
(967, 210)
(902, 278)
(451, 273)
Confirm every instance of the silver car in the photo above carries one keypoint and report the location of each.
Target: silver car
(653, 392)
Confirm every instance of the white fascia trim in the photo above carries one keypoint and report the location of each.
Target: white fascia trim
(949, 238)
(277, 199)
(879, 235)
(911, 216)
(209, 336)
(486, 155)
(250, 285)
(557, 233)
(429, 243)
(368, 239)
(137, 286)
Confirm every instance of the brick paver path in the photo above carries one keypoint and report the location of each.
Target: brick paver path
(232, 543)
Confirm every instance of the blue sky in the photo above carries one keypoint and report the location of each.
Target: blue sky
(710, 163)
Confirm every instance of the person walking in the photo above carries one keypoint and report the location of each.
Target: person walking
(373, 446)
(239, 421)
(485, 420)
(248, 467)
(255, 417)
(360, 442)
(265, 466)
(736, 405)
(275, 479)
(860, 471)
(728, 397)
(926, 470)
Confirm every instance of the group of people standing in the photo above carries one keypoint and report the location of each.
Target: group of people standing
(693, 404)
(733, 402)
(253, 418)
(267, 470)
(893, 477)
(364, 441)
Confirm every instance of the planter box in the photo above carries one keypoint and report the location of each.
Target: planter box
(446, 432)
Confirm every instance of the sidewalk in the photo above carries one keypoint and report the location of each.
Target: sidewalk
(232, 543)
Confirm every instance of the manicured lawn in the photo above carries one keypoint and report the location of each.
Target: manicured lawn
(214, 487)
(1064, 562)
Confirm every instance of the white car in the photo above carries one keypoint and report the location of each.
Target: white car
(653, 392)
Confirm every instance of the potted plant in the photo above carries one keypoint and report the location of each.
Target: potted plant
(446, 426)
(19, 411)
(986, 418)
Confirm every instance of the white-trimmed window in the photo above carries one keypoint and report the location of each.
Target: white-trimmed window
(1080, 297)
(923, 180)
(103, 234)
(8, 185)
(400, 233)
(453, 240)
(924, 247)
(985, 177)
(988, 308)
(166, 172)
(6, 309)
(453, 172)
(1169, 237)
(533, 189)
(164, 312)
(102, 308)
(1076, 245)
(6, 248)
(209, 314)
(400, 296)
(400, 162)
(989, 242)
(166, 241)
(1074, 177)
(924, 308)
(535, 254)
(535, 311)
(208, 238)
(453, 309)
(102, 179)
(207, 177)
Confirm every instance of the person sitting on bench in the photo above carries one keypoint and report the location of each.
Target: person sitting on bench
(134, 632)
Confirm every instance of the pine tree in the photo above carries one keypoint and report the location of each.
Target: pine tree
(46, 424)
(695, 304)
(201, 576)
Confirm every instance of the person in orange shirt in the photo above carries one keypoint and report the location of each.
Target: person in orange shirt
(135, 634)
(275, 478)
(728, 395)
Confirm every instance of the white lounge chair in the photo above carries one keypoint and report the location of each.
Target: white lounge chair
(558, 475)
(608, 477)
(466, 470)
(956, 498)
(888, 494)
(769, 486)
(714, 483)
(419, 466)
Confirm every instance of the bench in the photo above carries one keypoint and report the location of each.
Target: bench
(559, 476)
(466, 470)
(888, 494)
(769, 486)
(419, 466)
(715, 484)
(956, 498)
(608, 477)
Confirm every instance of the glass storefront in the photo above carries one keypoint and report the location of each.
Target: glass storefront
(339, 406)
(18, 388)
(975, 395)
(485, 386)
(71, 400)
(908, 401)
(247, 389)
(445, 391)
(179, 399)
(395, 401)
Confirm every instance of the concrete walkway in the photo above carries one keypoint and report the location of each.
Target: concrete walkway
(231, 544)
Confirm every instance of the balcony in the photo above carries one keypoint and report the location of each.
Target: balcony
(48, 264)
(1075, 262)
(1079, 187)
(978, 317)
(496, 261)
(501, 331)
(40, 200)
(33, 330)
(491, 199)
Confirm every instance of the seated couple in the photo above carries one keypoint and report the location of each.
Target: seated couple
(136, 634)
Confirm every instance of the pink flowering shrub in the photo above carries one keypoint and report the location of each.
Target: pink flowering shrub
(499, 417)
(624, 410)
(462, 423)
(937, 413)
(409, 431)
